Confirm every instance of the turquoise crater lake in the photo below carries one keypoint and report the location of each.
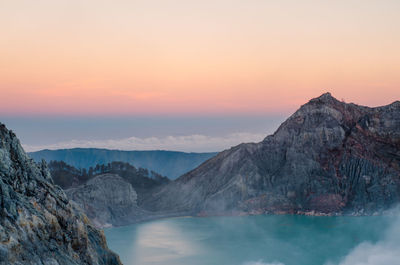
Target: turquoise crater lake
(264, 239)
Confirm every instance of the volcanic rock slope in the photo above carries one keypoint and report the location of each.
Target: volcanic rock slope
(38, 225)
(108, 200)
(328, 157)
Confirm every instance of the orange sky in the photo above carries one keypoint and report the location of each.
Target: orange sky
(90, 57)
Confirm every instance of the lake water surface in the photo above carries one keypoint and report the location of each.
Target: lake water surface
(247, 240)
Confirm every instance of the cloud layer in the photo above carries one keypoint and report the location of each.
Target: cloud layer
(188, 143)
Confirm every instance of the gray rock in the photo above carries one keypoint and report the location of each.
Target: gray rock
(38, 224)
(329, 157)
(108, 200)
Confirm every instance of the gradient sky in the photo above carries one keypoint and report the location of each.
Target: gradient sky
(194, 58)
(211, 56)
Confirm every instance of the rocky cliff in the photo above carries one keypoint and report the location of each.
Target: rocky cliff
(38, 224)
(108, 200)
(329, 157)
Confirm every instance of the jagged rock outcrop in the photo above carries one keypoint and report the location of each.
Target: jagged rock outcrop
(108, 200)
(38, 224)
(329, 157)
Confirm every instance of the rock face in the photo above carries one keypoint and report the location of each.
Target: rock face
(38, 224)
(108, 200)
(329, 157)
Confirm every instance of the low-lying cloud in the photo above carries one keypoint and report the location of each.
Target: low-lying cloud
(386, 251)
(188, 143)
(383, 252)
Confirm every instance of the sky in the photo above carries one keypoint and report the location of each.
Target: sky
(169, 61)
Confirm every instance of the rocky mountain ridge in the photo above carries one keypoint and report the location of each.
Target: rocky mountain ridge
(38, 224)
(329, 157)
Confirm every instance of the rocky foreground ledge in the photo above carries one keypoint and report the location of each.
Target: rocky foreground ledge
(38, 224)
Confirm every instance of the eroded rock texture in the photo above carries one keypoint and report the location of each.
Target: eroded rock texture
(108, 200)
(38, 224)
(328, 158)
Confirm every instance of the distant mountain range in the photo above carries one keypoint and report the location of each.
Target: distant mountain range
(167, 163)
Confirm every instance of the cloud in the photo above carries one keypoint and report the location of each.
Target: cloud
(188, 143)
(384, 252)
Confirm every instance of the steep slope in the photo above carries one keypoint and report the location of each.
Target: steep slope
(108, 200)
(111, 200)
(328, 157)
(167, 163)
(38, 224)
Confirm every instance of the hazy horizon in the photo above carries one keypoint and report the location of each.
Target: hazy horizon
(187, 134)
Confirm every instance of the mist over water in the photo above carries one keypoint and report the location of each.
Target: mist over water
(384, 252)
(259, 240)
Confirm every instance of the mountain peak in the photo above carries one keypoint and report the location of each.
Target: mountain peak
(326, 95)
(395, 104)
(326, 98)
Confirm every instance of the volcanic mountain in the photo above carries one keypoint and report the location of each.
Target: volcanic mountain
(329, 157)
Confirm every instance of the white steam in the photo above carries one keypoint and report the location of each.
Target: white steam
(384, 252)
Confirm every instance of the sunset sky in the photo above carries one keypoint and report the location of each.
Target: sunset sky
(208, 58)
